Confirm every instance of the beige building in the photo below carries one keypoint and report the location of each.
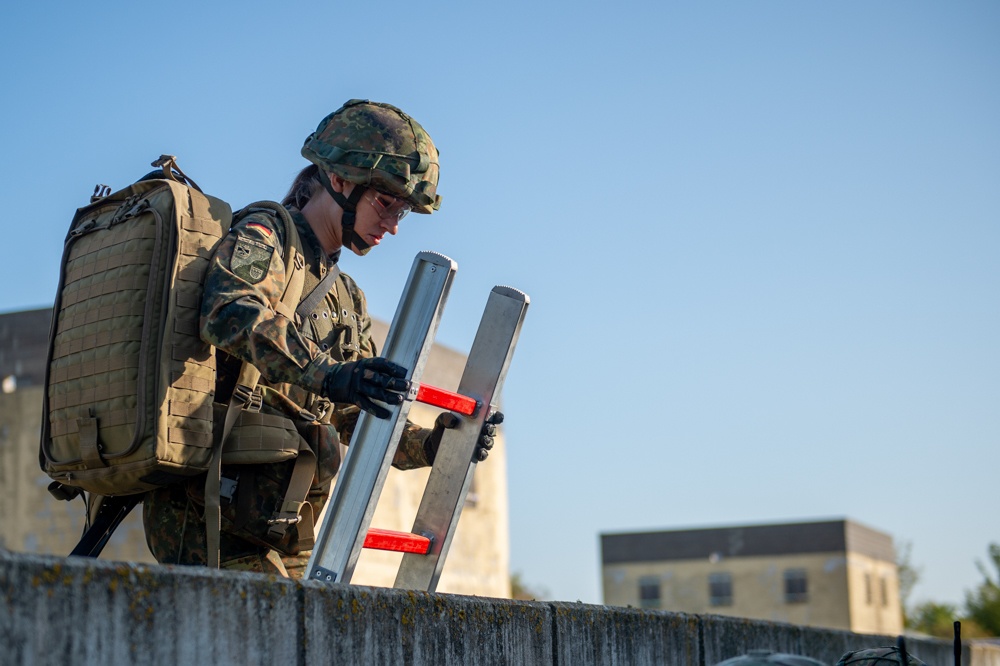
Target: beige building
(34, 522)
(836, 574)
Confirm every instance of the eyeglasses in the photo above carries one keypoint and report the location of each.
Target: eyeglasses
(393, 209)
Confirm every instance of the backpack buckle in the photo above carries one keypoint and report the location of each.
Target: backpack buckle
(84, 228)
(130, 208)
(322, 408)
(100, 192)
(227, 487)
(252, 400)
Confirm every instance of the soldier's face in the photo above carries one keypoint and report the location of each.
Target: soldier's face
(369, 222)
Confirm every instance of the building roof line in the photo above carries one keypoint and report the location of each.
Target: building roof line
(828, 536)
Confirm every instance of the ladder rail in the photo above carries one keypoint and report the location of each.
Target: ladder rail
(451, 476)
(362, 475)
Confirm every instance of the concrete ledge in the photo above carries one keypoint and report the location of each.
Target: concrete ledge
(349, 624)
(586, 634)
(81, 611)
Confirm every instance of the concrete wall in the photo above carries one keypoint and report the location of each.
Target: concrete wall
(78, 611)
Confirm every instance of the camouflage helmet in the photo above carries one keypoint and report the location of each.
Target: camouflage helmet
(769, 658)
(378, 146)
(880, 656)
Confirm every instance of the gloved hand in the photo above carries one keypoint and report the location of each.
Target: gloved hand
(361, 382)
(447, 420)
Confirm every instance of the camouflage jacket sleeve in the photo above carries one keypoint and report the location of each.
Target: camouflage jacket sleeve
(243, 286)
(410, 451)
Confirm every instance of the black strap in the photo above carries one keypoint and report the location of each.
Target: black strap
(350, 207)
(110, 514)
(246, 492)
(312, 301)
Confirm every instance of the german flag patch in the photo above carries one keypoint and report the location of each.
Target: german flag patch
(259, 228)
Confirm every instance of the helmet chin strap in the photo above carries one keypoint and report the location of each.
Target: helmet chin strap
(349, 205)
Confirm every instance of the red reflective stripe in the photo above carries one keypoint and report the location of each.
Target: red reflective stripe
(400, 542)
(446, 399)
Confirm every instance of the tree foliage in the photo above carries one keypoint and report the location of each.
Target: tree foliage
(983, 604)
(909, 574)
(980, 616)
(934, 619)
(522, 591)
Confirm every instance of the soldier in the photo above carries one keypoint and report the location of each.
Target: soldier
(371, 164)
(880, 656)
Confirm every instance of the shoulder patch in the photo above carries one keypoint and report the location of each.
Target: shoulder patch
(251, 259)
(260, 228)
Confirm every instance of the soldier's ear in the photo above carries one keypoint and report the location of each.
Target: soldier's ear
(337, 183)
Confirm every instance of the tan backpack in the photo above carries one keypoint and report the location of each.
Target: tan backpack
(129, 382)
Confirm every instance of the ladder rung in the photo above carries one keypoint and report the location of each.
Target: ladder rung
(431, 395)
(400, 542)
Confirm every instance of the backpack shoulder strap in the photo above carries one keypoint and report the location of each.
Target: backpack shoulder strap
(295, 266)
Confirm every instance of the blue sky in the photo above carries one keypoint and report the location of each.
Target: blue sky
(760, 238)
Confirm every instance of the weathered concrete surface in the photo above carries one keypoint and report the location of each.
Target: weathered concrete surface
(586, 634)
(349, 624)
(80, 611)
(725, 636)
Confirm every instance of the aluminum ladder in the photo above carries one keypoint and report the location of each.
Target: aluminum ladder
(344, 530)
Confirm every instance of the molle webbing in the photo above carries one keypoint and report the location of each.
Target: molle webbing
(350, 342)
(315, 316)
(129, 382)
(97, 315)
(260, 438)
(317, 295)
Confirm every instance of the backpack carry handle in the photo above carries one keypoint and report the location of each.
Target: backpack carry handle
(171, 171)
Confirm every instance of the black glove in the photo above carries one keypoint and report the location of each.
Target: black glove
(447, 420)
(359, 382)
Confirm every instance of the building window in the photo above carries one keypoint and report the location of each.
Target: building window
(883, 586)
(720, 589)
(649, 592)
(868, 589)
(796, 586)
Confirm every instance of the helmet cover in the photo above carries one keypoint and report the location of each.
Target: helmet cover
(769, 658)
(880, 656)
(378, 146)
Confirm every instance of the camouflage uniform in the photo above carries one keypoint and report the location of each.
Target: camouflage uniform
(243, 286)
(880, 656)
